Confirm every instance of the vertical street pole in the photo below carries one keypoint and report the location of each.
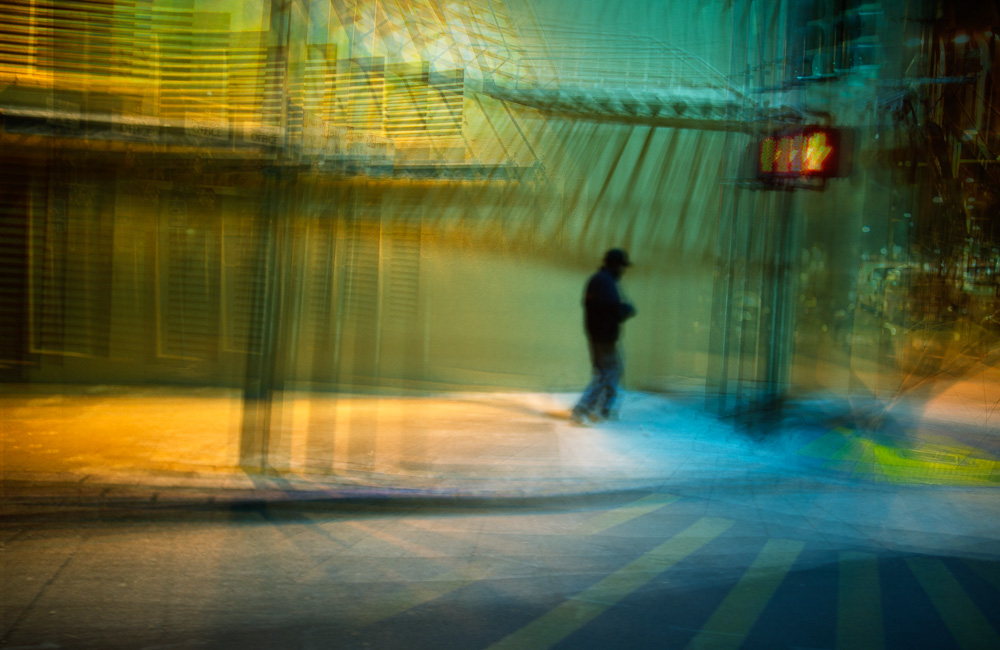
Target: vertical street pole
(753, 307)
(263, 372)
(781, 325)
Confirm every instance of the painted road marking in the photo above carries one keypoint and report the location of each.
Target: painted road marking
(830, 445)
(989, 571)
(413, 548)
(409, 593)
(415, 594)
(859, 603)
(576, 612)
(639, 507)
(967, 624)
(732, 621)
(412, 594)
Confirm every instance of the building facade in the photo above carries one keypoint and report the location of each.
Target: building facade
(396, 194)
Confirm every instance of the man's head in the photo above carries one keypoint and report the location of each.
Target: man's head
(616, 261)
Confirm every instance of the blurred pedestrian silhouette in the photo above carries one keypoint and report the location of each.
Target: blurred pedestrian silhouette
(604, 312)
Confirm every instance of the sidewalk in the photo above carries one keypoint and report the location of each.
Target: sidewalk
(135, 445)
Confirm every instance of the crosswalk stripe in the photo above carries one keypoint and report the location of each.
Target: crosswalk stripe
(413, 594)
(733, 619)
(417, 550)
(628, 512)
(859, 604)
(989, 571)
(967, 624)
(831, 445)
(576, 612)
(416, 594)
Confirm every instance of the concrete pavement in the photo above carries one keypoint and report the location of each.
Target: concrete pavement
(106, 443)
(156, 443)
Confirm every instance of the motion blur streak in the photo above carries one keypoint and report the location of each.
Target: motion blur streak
(292, 202)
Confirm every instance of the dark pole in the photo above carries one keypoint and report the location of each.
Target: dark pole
(264, 374)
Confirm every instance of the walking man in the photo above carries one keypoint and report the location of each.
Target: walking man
(604, 312)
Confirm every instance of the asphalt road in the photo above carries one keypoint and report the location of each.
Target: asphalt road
(774, 562)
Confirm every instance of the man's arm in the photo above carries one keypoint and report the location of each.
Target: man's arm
(602, 293)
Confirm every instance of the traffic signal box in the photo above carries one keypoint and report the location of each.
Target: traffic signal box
(803, 157)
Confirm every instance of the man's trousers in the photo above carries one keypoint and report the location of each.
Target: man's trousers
(598, 399)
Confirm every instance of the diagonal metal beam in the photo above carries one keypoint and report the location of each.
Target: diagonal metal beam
(681, 111)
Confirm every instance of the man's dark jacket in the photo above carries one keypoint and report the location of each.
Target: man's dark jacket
(603, 307)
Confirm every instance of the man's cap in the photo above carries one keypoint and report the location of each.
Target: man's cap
(616, 257)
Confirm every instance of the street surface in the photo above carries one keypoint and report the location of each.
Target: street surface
(489, 521)
(775, 562)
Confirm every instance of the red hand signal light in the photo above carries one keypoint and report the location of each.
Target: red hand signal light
(816, 152)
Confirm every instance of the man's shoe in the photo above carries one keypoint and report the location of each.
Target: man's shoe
(605, 415)
(579, 418)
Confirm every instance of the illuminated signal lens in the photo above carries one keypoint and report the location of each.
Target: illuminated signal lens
(767, 156)
(783, 156)
(817, 151)
(810, 152)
